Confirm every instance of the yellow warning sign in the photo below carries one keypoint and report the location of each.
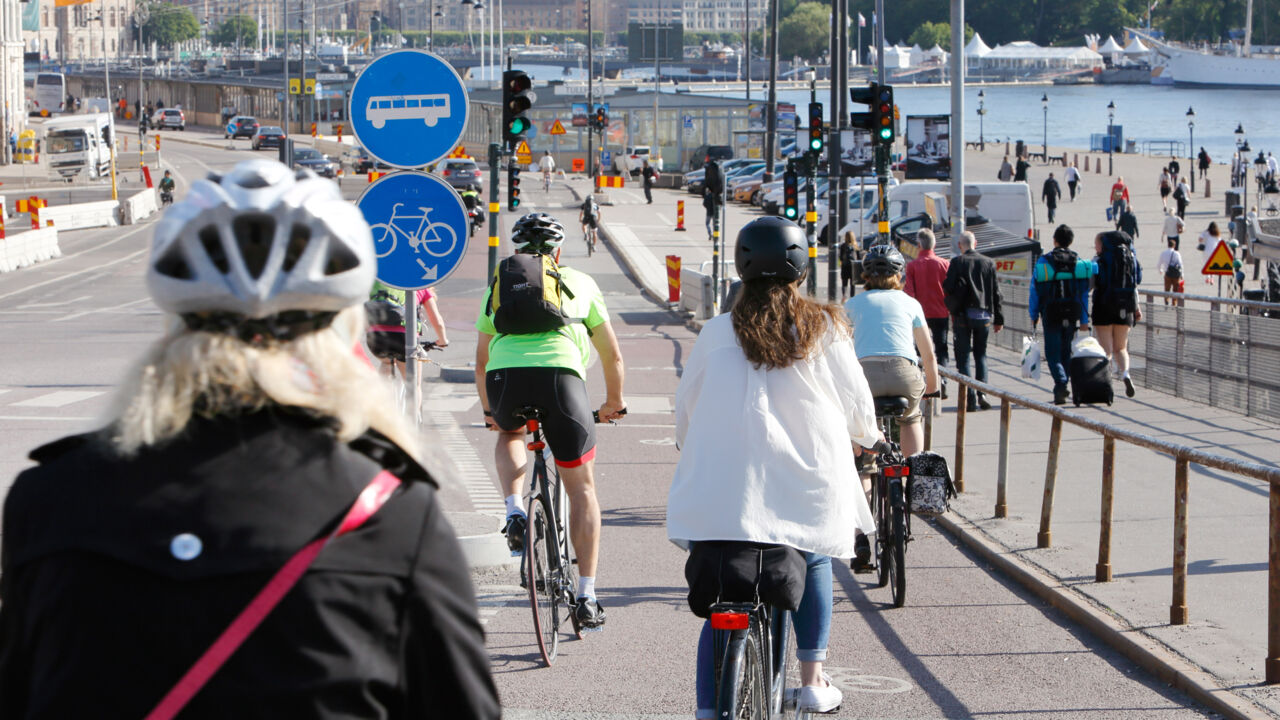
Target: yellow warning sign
(1221, 262)
(295, 86)
(523, 155)
(557, 128)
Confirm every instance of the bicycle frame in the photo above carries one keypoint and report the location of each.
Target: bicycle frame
(734, 625)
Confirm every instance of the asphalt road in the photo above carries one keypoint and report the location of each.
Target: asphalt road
(968, 643)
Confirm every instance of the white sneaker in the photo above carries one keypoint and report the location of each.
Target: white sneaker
(820, 699)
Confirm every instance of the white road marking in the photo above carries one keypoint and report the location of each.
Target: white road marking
(475, 477)
(649, 404)
(58, 398)
(111, 309)
(95, 268)
(60, 303)
(451, 404)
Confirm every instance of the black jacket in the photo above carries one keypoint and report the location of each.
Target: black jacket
(971, 283)
(713, 181)
(100, 619)
(1051, 192)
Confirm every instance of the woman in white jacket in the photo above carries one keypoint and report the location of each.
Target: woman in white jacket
(770, 397)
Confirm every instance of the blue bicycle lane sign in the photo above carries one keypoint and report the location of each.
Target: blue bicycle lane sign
(420, 228)
(408, 108)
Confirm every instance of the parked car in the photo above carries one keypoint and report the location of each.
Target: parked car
(702, 153)
(172, 118)
(362, 162)
(311, 159)
(462, 173)
(268, 136)
(241, 126)
(696, 178)
(632, 160)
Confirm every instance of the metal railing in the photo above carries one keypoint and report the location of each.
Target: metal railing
(1183, 456)
(1213, 350)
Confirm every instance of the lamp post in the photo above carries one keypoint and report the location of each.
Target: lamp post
(1239, 165)
(982, 112)
(1044, 147)
(1191, 149)
(431, 32)
(1259, 175)
(1111, 139)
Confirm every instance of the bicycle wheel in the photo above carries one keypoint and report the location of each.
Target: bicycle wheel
(568, 571)
(591, 243)
(384, 239)
(437, 228)
(740, 693)
(881, 508)
(543, 598)
(897, 546)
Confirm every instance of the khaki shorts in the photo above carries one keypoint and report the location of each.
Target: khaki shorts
(896, 376)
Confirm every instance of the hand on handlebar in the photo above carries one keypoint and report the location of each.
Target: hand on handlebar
(610, 412)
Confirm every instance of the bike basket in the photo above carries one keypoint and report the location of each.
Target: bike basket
(929, 485)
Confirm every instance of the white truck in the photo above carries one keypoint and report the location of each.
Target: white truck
(79, 143)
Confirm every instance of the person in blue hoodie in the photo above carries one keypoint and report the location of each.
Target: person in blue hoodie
(1060, 295)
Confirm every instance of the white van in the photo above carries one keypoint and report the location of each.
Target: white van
(76, 143)
(1005, 204)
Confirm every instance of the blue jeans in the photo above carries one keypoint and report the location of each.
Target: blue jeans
(1117, 207)
(971, 336)
(812, 623)
(1057, 352)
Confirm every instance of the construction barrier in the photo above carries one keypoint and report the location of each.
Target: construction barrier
(24, 249)
(146, 175)
(579, 165)
(138, 206)
(313, 130)
(157, 142)
(673, 278)
(611, 181)
(374, 175)
(103, 213)
(679, 216)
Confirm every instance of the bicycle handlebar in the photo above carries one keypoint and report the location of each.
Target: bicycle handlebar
(595, 415)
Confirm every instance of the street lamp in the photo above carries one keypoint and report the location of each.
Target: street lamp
(1111, 139)
(1044, 103)
(1259, 175)
(982, 112)
(1191, 131)
(1239, 165)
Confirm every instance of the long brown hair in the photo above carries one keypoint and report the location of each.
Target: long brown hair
(776, 325)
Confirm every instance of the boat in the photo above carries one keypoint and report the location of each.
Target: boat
(1190, 68)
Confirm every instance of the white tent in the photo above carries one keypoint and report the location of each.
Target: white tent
(1136, 47)
(976, 48)
(1110, 47)
(937, 53)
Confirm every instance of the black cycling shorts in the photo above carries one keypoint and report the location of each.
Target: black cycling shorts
(567, 422)
(591, 222)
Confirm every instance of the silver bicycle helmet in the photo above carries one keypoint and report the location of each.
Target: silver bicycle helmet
(261, 251)
(883, 259)
(537, 231)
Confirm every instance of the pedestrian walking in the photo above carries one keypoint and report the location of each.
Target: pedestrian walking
(650, 174)
(1172, 229)
(1165, 185)
(1175, 170)
(1119, 199)
(1020, 170)
(1273, 169)
(1204, 162)
(848, 256)
(1072, 176)
(1006, 171)
(1128, 222)
(1170, 266)
(1060, 296)
(924, 283)
(248, 441)
(974, 301)
(712, 193)
(1182, 196)
(1051, 193)
(1117, 274)
(1208, 241)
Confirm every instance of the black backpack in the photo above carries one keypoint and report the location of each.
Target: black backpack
(1062, 305)
(1119, 269)
(384, 311)
(527, 296)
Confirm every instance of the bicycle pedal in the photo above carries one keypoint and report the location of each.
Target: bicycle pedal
(517, 553)
(586, 630)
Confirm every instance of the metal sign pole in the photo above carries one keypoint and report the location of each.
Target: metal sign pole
(495, 151)
(410, 348)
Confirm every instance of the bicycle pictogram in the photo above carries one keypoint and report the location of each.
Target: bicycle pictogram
(438, 239)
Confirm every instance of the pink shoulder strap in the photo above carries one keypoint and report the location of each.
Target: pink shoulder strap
(374, 495)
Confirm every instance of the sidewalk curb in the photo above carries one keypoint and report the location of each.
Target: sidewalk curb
(649, 293)
(1148, 653)
(487, 551)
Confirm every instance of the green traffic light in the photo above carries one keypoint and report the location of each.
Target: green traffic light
(816, 144)
(791, 213)
(886, 134)
(519, 126)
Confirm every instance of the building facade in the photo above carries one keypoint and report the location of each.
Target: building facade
(75, 33)
(701, 15)
(13, 116)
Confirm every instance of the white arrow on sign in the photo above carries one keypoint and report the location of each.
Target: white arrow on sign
(430, 273)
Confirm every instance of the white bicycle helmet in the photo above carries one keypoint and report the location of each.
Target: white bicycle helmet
(261, 251)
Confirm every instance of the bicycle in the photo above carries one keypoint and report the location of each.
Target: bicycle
(548, 571)
(417, 240)
(546, 181)
(589, 237)
(402, 388)
(750, 647)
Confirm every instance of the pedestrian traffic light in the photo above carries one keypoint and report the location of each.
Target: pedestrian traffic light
(516, 101)
(791, 193)
(865, 96)
(882, 111)
(513, 185)
(815, 127)
(601, 119)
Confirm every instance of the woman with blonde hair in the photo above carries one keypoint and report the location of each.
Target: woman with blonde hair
(255, 528)
(770, 397)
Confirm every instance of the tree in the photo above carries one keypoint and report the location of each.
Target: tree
(236, 27)
(170, 24)
(937, 33)
(806, 32)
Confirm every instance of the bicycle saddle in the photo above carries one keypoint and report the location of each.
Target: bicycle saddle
(527, 413)
(891, 406)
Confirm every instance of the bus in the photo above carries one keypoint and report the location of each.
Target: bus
(428, 108)
(50, 94)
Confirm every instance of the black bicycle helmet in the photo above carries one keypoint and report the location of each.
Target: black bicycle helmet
(538, 232)
(883, 259)
(771, 247)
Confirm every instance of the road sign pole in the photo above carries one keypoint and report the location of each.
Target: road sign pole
(495, 153)
(410, 348)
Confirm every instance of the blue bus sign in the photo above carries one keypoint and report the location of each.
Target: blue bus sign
(420, 228)
(408, 108)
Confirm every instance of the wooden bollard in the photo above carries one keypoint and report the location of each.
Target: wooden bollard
(1086, 163)
(1206, 187)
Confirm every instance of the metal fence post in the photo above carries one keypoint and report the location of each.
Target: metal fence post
(1108, 500)
(1045, 537)
(1273, 589)
(1002, 474)
(961, 390)
(1178, 610)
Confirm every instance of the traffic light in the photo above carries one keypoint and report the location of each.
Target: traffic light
(516, 101)
(865, 96)
(815, 127)
(791, 193)
(513, 185)
(882, 112)
(602, 118)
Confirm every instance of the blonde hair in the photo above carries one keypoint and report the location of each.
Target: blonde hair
(188, 373)
(882, 282)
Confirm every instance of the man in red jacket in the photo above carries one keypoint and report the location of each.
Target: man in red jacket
(924, 283)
